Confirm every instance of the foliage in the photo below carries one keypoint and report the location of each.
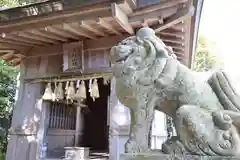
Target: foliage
(205, 58)
(8, 76)
(8, 3)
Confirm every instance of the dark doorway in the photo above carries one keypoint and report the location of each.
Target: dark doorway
(95, 129)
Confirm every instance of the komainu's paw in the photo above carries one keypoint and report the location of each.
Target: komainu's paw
(134, 147)
(173, 146)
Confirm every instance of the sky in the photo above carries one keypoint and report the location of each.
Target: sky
(219, 23)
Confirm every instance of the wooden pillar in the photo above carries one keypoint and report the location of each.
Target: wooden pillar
(25, 132)
(78, 126)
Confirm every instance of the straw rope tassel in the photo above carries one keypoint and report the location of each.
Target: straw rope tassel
(66, 87)
(59, 92)
(94, 90)
(48, 92)
(71, 92)
(81, 92)
(55, 92)
(106, 80)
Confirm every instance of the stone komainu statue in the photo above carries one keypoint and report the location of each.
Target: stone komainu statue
(206, 113)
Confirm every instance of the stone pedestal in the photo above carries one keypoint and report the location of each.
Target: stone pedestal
(76, 153)
(159, 156)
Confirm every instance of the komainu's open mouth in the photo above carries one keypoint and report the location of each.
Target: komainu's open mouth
(121, 59)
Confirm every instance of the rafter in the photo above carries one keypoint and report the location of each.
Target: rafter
(60, 32)
(47, 35)
(153, 14)
(172, 32)
(34, 37)
(107, 26)
(121, 18)
(77, 31)
(176, 18)
(171, 39)
(22, 39)
(90, 28)
(11, 42)
(14, 59)
(144, 23)
(160, 5)
(179, 26)
(178, 47)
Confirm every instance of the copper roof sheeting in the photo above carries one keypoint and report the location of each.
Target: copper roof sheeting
(90, 22)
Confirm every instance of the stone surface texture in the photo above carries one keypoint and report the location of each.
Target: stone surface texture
(206, 113)
(173, 157)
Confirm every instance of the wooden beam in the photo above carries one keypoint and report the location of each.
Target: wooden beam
(34, 37)
(90, 28)
(67, 16)
(172, 32)
(144, 23)
(176, 18)
(172, 39)
(178, 47)
(158, 6)
(121, 18)
(179, 26)
(7, 56)
(105, 42)
(107, 26)
(160, 20)
(76, 31)
(179, 54)
(61, 32)
(14, 60)
(47, 35)
(4, 45)
(178, 50)
(22, 39)
(163, 13)
(14, 42)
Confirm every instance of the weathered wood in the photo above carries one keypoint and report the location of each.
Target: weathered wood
(176, 18)
(90, 28)
(78, 31)
(166, 12)
(121, 18)
(172, 32)
(47, 35)
(14, 42)
(34, 37)
(161, 5)
(60, 32)
(78, 13)
(23, 39)
(107, 26)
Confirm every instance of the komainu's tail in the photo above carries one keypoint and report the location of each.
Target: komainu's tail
(225, 92)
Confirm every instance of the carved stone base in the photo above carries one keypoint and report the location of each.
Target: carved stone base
(159, 156)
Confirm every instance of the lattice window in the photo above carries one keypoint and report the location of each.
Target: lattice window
(62, 116)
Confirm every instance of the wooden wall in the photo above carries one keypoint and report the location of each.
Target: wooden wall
(27, 114)
(27, 125)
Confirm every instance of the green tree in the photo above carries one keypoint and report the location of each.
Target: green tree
(205, 58)
(8, 3)
(8, 77)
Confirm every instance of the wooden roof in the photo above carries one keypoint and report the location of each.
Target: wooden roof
(99, 24)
